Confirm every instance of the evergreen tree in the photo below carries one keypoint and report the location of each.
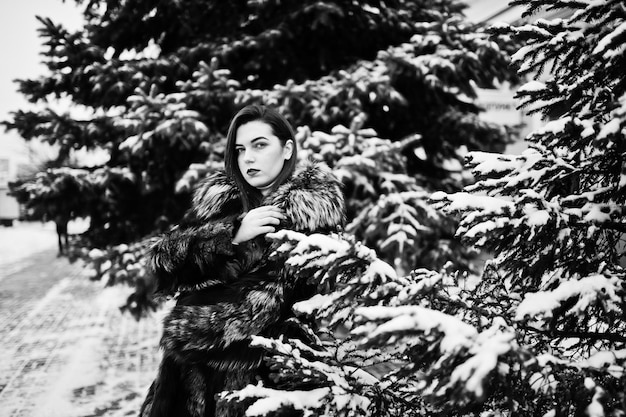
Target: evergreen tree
(542, 331)
(158, 81)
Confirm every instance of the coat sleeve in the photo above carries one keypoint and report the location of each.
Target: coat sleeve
(192, 255)
(194, 333)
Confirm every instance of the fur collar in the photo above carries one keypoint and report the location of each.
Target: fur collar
(312, 198)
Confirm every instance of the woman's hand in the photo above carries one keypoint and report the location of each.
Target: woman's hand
(258, 221)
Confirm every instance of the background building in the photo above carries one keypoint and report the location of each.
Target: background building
(500, 104)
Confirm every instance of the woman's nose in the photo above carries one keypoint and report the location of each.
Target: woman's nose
(247, 156)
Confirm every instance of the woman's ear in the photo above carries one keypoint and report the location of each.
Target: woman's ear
(288, 150)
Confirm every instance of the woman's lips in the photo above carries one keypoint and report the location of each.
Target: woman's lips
(252, 172)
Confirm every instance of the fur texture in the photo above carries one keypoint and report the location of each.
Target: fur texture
(228, 293)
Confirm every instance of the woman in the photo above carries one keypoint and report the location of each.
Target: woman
(218, 261)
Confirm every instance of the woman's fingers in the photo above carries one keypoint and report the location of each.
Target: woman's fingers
(268, 210)
(259, 221)
(267, 229)
(267, 214)
(265, 221)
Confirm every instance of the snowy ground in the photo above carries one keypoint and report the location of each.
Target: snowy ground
(24, 239)
(66, 348)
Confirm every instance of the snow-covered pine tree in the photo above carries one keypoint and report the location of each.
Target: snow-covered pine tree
(557, 227)
(418, 96)
(55, 192)
(157, 82)
(542, 331)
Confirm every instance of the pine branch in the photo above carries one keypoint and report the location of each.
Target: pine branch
(620, 227)
(594, 336)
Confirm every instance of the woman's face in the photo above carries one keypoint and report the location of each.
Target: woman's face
(260, 154)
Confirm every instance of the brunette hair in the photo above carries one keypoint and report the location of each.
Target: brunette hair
(250, 196)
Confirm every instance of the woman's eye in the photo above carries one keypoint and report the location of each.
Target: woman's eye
(260, 145)
(239, 150)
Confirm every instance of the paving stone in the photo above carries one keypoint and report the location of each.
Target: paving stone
(67, 350)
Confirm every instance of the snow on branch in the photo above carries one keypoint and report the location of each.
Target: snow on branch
(591, 290)
(612, 39)
(269, 400)
(332, 382)
(409, 319)
(464, 201)
(346, 272)
(485, 353)
(475, 355)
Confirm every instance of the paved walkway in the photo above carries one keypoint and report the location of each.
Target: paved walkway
(66, 349)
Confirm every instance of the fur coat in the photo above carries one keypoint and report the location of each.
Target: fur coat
(228, 293)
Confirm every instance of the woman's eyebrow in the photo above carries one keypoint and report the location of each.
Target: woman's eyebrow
(252, 140)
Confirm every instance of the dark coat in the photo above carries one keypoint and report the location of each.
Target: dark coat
(228, 293)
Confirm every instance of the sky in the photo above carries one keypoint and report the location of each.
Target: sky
(20, 48)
